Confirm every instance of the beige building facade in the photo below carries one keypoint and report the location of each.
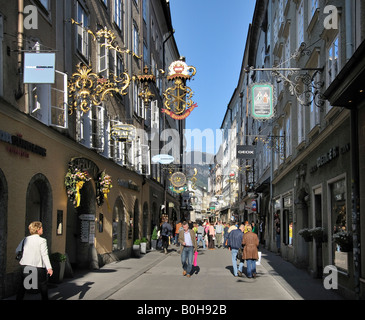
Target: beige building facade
(40, 140)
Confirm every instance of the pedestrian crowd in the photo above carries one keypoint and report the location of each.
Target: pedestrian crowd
(241, 239)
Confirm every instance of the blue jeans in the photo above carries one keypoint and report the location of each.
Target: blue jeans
(201, 238)
(187, 256)
(234, 262)
(251, 267)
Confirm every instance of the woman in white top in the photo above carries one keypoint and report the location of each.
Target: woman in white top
(35, 255)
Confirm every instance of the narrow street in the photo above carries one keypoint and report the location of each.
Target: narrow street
(156, 276)
(213, 280)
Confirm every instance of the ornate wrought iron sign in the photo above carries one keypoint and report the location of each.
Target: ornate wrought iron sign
(178, 99)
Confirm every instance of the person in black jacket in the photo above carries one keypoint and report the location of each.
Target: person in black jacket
(234, 244)
(166, 232)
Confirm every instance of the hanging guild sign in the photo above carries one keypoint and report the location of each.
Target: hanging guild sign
(178, 179)
(39, 67)
(178, 99)
(262, 101)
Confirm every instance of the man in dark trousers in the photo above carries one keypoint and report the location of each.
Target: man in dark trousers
(234, 244)
(166, 231)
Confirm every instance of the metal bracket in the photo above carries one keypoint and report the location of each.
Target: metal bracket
(293, 78)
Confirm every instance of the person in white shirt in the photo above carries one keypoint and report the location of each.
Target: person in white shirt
(35, 254)
(189, 245)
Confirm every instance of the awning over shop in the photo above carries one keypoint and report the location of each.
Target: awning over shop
(264, 186)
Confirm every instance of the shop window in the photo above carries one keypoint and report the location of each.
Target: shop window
(48, 102)
(339, 221)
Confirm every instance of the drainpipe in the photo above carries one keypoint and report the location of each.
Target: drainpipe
(355, 209)
(20, 39)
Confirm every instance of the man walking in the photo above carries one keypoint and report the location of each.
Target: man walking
(235, 243)
(201, 233)
(188, 243)
(218, 234)
(166, 231)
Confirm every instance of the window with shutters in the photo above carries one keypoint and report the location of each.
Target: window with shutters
(83, 128)
(82, 34)
(118, 14)
(138, 155)
(146, 160)
(97, 128)
(48, 102)
(301, 123)
(288, 148)
(103, 61)
(59, 108)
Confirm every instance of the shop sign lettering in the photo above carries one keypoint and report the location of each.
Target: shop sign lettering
(17, 141)
(332, 154)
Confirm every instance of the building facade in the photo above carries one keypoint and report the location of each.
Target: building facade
(44, 145)
(300, 180)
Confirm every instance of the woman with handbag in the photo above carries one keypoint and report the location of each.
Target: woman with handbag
(35, 256)
(250, 241)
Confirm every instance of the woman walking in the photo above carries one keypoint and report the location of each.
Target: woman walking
(250, 251)
(35, 255)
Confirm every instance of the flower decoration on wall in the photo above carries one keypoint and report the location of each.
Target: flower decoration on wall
(74, 181)
(103, 186)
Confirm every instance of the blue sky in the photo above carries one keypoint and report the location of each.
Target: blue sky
(211, 34)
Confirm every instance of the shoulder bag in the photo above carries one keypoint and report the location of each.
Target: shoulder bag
(19, 254)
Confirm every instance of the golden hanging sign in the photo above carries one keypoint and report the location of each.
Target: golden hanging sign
(145, 79)
(86, 88)
(178, 99)
(178, 179)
